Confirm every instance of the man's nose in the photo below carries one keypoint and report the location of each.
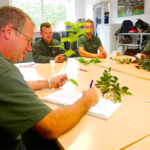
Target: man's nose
(29, 48)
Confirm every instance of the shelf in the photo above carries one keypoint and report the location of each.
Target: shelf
(132, 34)
(129, 44)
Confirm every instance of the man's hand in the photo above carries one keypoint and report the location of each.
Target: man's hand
(59, 80)
(59, 58)
(91, 95)
(101, 55)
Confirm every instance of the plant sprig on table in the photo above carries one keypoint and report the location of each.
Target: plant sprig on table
(123, 60)
(85, 62)
(108, 84)
(144, 62)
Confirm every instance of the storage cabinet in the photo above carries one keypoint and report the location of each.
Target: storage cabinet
(134, 37)
(106, 33)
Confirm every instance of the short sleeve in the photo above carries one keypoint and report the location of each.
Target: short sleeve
(99, 42)
(20, 108)
(80, 42)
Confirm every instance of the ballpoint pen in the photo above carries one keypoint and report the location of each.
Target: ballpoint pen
(91, 83)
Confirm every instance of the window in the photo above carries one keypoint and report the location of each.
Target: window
(53, 11)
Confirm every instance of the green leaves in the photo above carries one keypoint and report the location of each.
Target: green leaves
(123, 60)
(62, 46)
(73, 81)
(95, 60)
(69, 53)
(108, 84)
(85, 62)
(76, 26)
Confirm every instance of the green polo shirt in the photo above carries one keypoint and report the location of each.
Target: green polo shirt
(42, 52)
(20, 108)
(147, 47)
(89, 45)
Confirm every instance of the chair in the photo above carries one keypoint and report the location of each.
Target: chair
(56, 36)
(36, 39)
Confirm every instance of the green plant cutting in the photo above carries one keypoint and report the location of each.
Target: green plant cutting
(85, 62)
(123, 60)
(73, 36)
(144, 62)
(109, 84)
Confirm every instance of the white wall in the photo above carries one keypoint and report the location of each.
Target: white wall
(4, 2)
(88, 10)
(88, 7)
(79, 9)
(114, 19)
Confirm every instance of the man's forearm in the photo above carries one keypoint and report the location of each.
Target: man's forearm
(83, 53)
(38, 85)
(63, 119)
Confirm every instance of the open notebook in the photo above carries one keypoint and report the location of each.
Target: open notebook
(103, 109)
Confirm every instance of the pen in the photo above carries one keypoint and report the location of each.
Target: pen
(31, 65)
(91, 83)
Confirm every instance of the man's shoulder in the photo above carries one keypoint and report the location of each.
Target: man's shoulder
(6, 65)
(38, 42)
(55, 42)
(82, 37)
(95, 37)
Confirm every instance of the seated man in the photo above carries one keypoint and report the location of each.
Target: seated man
(20, 107)
(88, 43)
(43, 50)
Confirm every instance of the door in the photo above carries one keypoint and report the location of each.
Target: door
(98, 18)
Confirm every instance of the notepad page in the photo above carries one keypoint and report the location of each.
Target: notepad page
(63, 97)
(104, 108)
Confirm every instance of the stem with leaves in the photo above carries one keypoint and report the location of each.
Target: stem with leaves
(108, 84)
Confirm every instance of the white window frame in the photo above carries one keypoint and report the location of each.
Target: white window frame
(42, 11)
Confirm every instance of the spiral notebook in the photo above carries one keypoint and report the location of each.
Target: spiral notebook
(103, 109)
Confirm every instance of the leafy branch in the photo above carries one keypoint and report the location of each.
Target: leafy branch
(123, 60)
(85, 62)
(108, 84)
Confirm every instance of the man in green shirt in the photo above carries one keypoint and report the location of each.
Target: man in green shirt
(20, 108)
(88, 43)
(45, 49)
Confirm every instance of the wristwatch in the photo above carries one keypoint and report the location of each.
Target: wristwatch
(49, 83)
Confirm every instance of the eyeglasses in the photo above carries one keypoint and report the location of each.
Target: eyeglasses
(29, 41)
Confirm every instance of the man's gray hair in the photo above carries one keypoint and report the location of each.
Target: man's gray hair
(10, 15)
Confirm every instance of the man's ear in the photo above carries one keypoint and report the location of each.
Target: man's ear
(8, 31)
(41, 33)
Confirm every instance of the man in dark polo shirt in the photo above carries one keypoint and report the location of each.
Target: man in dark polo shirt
(20, 107)
(45, 49)
(88, 44)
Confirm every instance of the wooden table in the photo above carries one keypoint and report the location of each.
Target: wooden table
(128, 124)
(129, 69)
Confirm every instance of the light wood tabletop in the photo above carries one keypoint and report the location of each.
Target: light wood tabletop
(124, 68)
(128, 124)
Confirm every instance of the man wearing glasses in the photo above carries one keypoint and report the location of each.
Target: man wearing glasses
(88, 43)
(46, 48)
(20, 107)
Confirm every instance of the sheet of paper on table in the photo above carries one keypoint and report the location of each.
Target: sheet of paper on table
(103, 109)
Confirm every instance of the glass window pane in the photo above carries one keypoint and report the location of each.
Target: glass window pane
(32, 8)
(55, 12)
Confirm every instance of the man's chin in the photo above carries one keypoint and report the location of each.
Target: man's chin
(89, 33)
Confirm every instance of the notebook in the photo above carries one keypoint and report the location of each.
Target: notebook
(103, 109)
